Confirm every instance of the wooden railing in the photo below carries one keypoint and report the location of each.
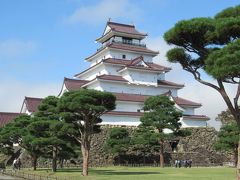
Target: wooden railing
(24, 175)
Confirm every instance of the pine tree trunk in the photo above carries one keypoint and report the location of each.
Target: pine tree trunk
(85, 154)
(144, 159)
(54, 159)
(161, 154)
(34, 162)
(61, 163)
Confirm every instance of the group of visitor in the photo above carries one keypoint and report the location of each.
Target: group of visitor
(17, 164)
(183, 163)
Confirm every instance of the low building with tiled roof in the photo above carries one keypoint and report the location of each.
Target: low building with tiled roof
(7, 117)
(30, 105)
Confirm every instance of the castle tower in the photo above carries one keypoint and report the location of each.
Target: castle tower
(123, 65)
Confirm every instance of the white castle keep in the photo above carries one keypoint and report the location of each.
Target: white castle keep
(124, 66)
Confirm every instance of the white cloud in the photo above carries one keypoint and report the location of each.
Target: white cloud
(13, 93)
(16, 48)
(105, 9)
(211, 100)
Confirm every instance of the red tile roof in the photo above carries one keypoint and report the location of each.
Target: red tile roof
(131, 48)
(168, 83)
(74, 84)
(141, 98)
(124, 28)
(7, 117)
(184, 102)
(133, 62)
(197, 117)
(157, 66)
(130, 97)
(122, 62)
(112, 78)
(127, 47)
(124, 113)
(117, 61)
(32, 103)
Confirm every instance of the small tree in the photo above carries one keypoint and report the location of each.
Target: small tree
(118, 142)
(228, 138)
(160, 114)
(145, 140)
(50, 131)
(17, 132)
(82, 109)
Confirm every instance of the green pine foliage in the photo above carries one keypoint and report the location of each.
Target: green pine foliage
(160, 115)
(228, 138)
(118, 141)
(212, 46)
(52, 131)
(82, 110)
(17, 132)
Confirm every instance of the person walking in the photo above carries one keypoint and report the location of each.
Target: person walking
(15, 164)
(19, 164)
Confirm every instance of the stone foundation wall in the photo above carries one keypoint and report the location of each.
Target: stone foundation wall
(198, 147)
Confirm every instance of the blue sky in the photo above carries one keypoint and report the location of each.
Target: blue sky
(43, 41)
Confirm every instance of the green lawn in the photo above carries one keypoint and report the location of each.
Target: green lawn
(144, 173)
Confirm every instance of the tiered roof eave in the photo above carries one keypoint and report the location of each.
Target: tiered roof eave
(125, 30)
(128, 64)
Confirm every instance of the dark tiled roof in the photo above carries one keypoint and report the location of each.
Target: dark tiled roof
(117, 61)
(168, 83)
(185, 102)
(131, 48)
(130, 97)
(157, 66)
(112, 78)
(7, 117)
(124, 113)
(141, 98)
(131, 63)
(32, 103)
(197, 117)
(124, 28)
(74, 84)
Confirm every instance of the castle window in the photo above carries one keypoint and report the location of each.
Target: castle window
(124, 56)
(127, 40)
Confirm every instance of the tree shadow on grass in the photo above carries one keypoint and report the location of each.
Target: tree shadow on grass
(112, 172)
(105, 172)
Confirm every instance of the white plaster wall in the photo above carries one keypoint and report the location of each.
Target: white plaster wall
(128, 106)
(129, 55)
(102, 55)
(120, 120)
(134, 89)
(64, 89)
(97, 71)
(193, 123)
(189, 110)
(112, 69)
(126, 75)
(24, 110)
(142, 77)
(107, 29)
(95, 86)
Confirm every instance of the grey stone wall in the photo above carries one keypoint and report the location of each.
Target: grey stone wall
(198, 147)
